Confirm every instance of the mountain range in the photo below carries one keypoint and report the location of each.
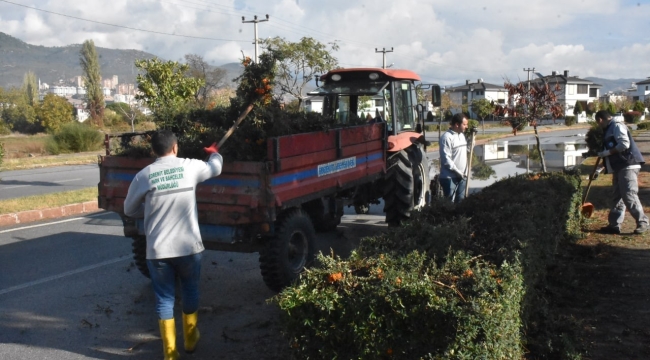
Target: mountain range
(53, 65)
(59, 64)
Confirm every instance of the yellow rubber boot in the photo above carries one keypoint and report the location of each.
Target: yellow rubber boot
(190, 331)
(168, 336)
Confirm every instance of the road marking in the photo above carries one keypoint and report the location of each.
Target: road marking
(56, 182)
(61, 181)
(15, 187)
(51, 223)
(62, 275)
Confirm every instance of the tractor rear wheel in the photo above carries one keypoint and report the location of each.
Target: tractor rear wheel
(139, 247)
(407, 184)
(286, 254)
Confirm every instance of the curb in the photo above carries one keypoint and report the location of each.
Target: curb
(50, 213)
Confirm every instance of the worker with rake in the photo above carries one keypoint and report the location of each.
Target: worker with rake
(623, 160)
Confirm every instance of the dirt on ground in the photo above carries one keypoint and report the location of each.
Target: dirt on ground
(602, 285)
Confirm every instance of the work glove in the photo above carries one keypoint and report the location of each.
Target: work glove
(603, 153)
(212, 149)
(461, 175)
(597, 173)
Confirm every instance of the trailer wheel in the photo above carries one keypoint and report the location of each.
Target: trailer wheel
(407, 184)
(139, 247)
(287, 253)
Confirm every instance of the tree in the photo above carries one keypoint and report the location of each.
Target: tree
(213, 78)
(129, 114)
(301, 61)
(611, 108)
(623, 104)
(54, 112)
(639, 106)
(17, 113)
(92, 81)
(446, 104)
(165, 88)
(577, 109)
(30, 88)
(593, 107)
(482, 108)
(531, 102)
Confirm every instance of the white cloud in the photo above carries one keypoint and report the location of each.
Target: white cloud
(446, 41)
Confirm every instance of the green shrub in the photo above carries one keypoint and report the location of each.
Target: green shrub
(632, 117)
(2, 152)
(405, 307)
(644, 125)
(569, 120)
(74, 137)
(462, 281)
(434, 127)
(4, 128)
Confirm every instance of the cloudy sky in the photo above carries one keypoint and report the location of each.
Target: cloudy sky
(445, 41)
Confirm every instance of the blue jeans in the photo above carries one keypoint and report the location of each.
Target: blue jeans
(453, 188)
(163, 278)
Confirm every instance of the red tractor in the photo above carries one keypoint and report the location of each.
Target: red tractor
(390, 97)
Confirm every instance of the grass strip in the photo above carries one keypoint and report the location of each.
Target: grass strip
(40, 202)
(45, 161)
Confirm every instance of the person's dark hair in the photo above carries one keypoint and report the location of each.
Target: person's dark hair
(602, 115)
(162, 142)
(457, 119)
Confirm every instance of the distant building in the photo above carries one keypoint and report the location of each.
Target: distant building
(492, 150)
(125, 89)
(642, 91)
(465, 94)
(313, 104)
(124, 98)
(572, 90)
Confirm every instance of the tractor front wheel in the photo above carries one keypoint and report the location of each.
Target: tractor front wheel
(407, 185)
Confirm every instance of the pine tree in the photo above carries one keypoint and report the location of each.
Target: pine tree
(93, 82)
(30, 88)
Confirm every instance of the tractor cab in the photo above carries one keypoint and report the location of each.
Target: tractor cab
(353, 96)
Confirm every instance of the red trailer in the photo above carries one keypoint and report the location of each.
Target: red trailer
(276, 206)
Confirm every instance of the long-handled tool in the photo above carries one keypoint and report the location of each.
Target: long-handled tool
(587, 207)
(234, 126)
(469, 162)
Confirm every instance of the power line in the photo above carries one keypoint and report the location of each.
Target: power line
(121, 26)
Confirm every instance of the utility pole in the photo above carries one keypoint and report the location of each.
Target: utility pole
(384, 51)
(529, 70)
(255, 21)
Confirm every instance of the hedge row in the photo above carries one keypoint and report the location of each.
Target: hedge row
(456, 282)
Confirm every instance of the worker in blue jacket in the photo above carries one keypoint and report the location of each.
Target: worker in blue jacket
(623, 160)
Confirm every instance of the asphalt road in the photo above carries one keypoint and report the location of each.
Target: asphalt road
(20, 183)
(69, 290)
